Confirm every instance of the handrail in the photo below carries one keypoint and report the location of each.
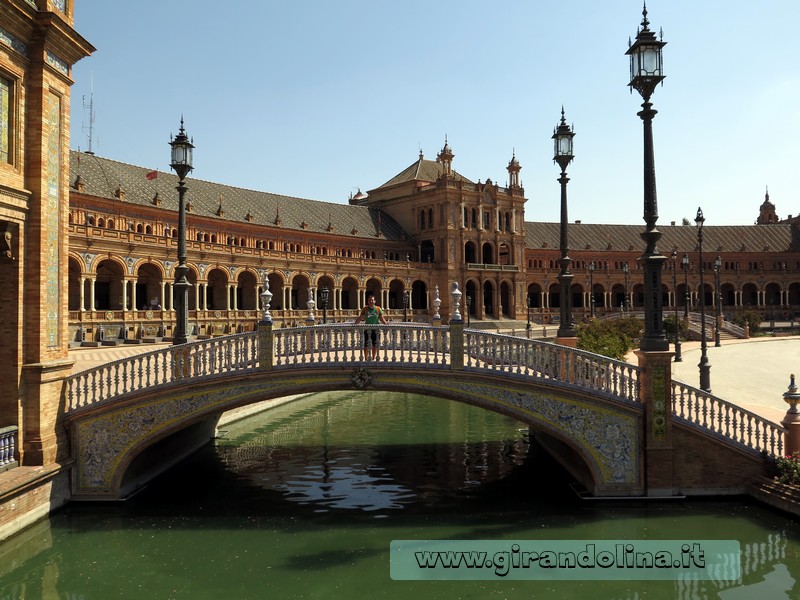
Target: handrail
(161, 368)
(706, 411)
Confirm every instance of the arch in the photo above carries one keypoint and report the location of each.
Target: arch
(396, 289)
(470, 252)
(108, 285)
(349, 293)
(216, 289)
(488, 298)
(471, 292)
(503, 254)
(326, 281)
(299, 293)
(506, 296)
(276, 285)
(573, 420)
(74, 285)
(750, 295)
(487, 253)
(148, 286)
(375, 287)
(419, 295)
(247, 291)
(534, 296)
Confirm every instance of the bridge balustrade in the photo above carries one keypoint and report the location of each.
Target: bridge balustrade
(534, 358)
(161, 368)
(345, 343)
(700, 409)
(417, 345)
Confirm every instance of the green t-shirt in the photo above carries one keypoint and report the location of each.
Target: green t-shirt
(372, 315)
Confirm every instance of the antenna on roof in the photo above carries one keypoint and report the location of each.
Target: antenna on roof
(90, 107)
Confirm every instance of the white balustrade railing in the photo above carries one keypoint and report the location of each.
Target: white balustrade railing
(347, 343)
(706, 411)
(8, 445)
(161, 368)
(533, 358)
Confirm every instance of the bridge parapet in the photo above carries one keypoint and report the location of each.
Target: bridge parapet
(704, 411)
(161, 368)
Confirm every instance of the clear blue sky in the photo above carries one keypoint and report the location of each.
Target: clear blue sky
(316, 99)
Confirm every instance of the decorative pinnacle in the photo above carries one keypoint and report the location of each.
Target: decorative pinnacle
(791, 397)
(645, 22)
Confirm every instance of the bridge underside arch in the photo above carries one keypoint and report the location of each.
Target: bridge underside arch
(603, 434)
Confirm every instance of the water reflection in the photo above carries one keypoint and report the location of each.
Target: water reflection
(303, 501)
(314, 459)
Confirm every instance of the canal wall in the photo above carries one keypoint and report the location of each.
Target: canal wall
(29, 494)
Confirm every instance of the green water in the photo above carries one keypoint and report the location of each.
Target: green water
(303, 501)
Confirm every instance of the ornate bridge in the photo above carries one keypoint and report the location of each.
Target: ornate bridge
(621, 429)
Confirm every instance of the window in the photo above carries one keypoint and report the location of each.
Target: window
(6, 108)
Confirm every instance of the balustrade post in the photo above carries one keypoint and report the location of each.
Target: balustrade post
(456, 331)
(792, 419)
(655, 385)
(266, 353)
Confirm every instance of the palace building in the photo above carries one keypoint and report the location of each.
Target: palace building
(406, 241)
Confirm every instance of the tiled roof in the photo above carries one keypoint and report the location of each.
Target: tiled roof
(102, 177)
(421, 170)
(722, 238)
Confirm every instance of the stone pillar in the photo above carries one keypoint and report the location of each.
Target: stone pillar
(44, 439)
(266, 354)
(655, 385)
(92, 301)
(82, 294)
(456, 345)
(792, 419)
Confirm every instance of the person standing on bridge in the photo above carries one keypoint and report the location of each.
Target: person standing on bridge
(371, 314)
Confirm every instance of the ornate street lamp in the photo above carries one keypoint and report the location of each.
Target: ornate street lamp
(469, 308)
(182, 164)
(528, 305)
(562, 137)
(687, 297)
(324, 294)
(407, 302)
(718, 300)
(705, 367)
(591, 289)
(626, 272)
(646, 73)
(678, 357)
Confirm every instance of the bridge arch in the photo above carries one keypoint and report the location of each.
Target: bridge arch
(109, 439)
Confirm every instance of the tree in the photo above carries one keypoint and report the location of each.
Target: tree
(610, 337)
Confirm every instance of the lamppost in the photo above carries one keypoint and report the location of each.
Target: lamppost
(626, 272)
(687, 298)
(562, 137)
(646, 74)
(591, 289)
(528, 311)
(406, 302)
(469, 308)
(678, 357)
(705, 367)
(718, 298)
(324, 294)
(182, 164)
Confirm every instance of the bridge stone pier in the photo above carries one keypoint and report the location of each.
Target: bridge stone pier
(619, 429)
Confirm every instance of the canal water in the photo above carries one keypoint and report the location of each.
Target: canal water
(304, 500)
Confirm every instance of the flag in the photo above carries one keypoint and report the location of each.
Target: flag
(151, 175)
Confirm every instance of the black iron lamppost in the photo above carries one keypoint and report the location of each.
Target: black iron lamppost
(528, 311)
(718, 300)
(678, 357)
(687, 298)
(406, 301)
(562, 137)
(646, 73)
(591, 289)
(705, 367)
(626, 272)
(324, 294)
(469, 308)
(182, 164)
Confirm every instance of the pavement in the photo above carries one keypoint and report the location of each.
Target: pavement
(753, 373)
